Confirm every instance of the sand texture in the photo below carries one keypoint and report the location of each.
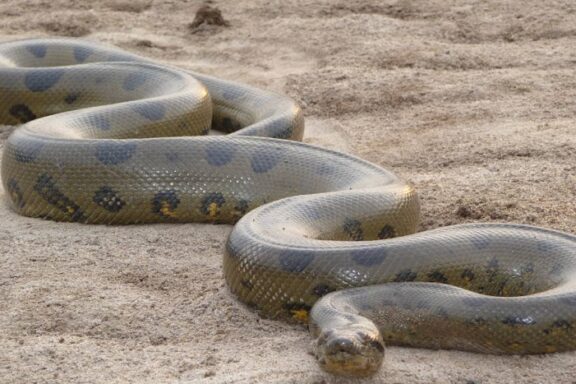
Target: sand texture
(472, 101)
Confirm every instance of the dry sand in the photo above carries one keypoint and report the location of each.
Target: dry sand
(473, 101)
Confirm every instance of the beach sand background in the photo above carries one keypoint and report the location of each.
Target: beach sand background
(472, 101)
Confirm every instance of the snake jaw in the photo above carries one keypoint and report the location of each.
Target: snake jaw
(349, 352)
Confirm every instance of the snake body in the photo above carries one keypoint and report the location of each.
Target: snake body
(106, 137)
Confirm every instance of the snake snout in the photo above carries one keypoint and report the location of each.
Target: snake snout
(350, 352)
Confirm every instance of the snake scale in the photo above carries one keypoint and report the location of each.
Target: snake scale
(106, 137)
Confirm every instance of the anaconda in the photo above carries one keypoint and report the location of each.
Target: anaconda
(108, 137)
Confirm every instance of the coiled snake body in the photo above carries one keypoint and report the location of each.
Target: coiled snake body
(105, 139)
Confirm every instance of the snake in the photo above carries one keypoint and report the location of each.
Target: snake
(320, 237)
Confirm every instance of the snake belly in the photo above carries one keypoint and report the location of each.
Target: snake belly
(108, 137)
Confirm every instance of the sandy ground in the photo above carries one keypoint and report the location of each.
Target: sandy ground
(473, 101)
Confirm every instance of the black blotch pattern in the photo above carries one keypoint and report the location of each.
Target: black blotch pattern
(47, 189)
(321, 290)
(528, 268)
(152, 111)
(247, 284)
(240, 209)
(108, 199)
(165, 203)
(437, 277)
(16, 193)
(27, 151)
(38, 50)
(406, 275)
(492, 267)
(82, 53)
(562, 324)
(468, 275)
(71, 98)
(295, 261)
(217, 155)
(22, 113)
(368, 257)
(133, 81)
(212, 198)
(40, 80)
(228, 125)
(264, 160)
(353, 228)
(387, 232)
(113, 153)
(518, 320)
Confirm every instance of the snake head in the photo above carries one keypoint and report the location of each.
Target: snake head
(353, 351)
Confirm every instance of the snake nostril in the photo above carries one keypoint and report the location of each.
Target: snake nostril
(340, 345)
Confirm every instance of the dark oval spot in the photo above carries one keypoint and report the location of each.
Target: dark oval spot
(219, 155)
(475, 301)
(71, 97)
(468, 275)
(152, 111)
(27, 151)
(99, 121)
(15, 193)
(264, 160)
(295, 261)
(133, 81)
(368, 257)
(480, 242)
(38, 50)
(82, 53)
(112, 153)
(242, 206)
(232, 94)
(40, 80)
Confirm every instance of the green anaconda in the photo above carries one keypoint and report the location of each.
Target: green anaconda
(109, 137)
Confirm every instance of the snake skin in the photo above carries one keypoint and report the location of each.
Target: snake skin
(105, 139)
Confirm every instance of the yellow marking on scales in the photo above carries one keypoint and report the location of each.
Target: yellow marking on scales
(166, 209)
(213, 210)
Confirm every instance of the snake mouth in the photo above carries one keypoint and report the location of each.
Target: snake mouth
(357, 354)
